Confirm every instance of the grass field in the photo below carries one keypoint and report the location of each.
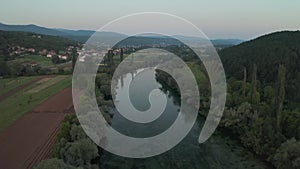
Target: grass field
(41, 60)
(44, 83)
(198, 72)
(11, 83)
(15, 106)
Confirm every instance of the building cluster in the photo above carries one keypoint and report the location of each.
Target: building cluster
(108, 53)
(64, 55)
(18, 50)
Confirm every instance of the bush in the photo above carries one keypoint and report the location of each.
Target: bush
(53, 164)
(288, 155)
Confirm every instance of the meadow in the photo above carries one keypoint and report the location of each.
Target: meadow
(26, 99)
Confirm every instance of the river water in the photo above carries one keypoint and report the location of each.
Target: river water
(219, 152)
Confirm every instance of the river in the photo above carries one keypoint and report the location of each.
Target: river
(219, 152)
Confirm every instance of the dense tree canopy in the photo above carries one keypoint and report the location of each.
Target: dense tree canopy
(54, 164)
(267, 52)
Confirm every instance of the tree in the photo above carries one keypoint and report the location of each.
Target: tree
(121, 55)
(77, 133)
(269, 94)
(280, 94)
(255, 97)
(80, 153)
(288, 155)
(61, 71)
(74, 56)
(3, 68)
(244, 82)
(53, 164)
(291, 123)
(55, 59)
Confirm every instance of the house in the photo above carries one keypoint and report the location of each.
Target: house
(31, 64)
(81, 59)
(52, 52)
(43, 52)
(49, 56)
(64, 57)
(32, 50)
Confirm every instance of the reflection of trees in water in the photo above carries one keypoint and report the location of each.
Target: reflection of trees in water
(169, 86)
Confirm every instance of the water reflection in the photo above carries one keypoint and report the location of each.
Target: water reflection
(218, 152)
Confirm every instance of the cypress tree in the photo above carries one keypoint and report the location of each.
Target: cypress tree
(280, 94)
(244, 82)
(121, 54)
(254, 98)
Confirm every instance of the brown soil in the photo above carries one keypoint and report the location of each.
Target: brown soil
(30, 139)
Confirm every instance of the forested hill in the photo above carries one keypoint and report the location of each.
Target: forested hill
(11, 39)
(267, 53)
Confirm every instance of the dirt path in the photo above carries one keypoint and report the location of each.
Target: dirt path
(30, 139)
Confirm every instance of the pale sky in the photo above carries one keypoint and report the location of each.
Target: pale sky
(243, 19)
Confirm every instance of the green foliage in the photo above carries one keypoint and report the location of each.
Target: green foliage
(291, 123)
(280, 94)
(272, 61)
(7, 84)
(53, 164)
(14, 52)
(288, 155)
(15, 106)
(254, 95)
(74, 57)
(77, 133)
(40, 60)
(4, 70)
(80, 153)
(103, 84)
(269, 95)
(55, 59)
(263, 77)
(74, 147)
(255, 129)
(32, 40)
(268, 52)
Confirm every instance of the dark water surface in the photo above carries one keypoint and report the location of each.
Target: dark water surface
(219, 152)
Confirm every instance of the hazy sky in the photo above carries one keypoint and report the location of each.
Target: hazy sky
(217, 18)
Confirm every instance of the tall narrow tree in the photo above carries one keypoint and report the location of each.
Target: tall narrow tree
(254, 98)
(74, 56)
(110, 61)
(280, 94)
(121, 54)
(244, 82)
(110, 57)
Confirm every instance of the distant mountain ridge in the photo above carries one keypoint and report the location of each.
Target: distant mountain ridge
(227, 41)
(78, 35)
(31, 28)
(84, 35)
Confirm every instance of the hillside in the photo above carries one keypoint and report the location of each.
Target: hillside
(267, 52)
(10, 40)
(31, 28)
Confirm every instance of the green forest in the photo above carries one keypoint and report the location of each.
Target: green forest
(263, 96)
(262, 109)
